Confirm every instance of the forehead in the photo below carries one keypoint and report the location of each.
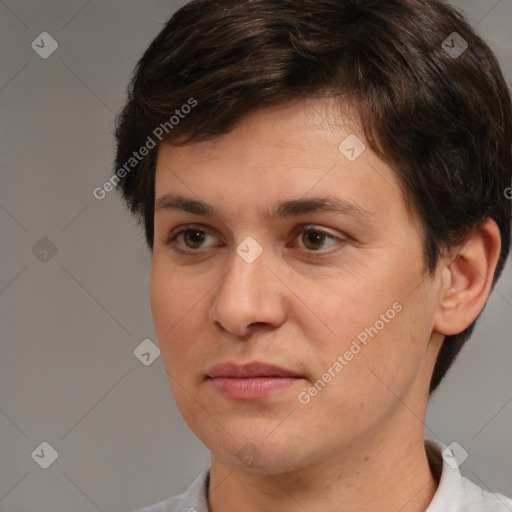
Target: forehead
(290, 128)
(310, 148)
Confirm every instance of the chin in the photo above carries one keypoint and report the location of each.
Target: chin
(257, 454)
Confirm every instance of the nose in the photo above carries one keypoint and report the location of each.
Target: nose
(249, 295)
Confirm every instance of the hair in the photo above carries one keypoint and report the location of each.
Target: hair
(442, 121)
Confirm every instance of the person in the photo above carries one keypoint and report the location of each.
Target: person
(322, 185)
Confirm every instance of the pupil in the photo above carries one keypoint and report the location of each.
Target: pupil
(195, 237)
(314, 239)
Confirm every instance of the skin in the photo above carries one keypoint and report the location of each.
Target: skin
(358, 444)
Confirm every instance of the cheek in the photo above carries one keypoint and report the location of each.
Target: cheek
(371, 319)
(172, 296)
(174, 307)
(338, 310)
(163, 296)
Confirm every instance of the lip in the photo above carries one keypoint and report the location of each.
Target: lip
(255, 369)
(251, 381)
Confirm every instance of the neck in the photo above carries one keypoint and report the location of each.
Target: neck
(367, 475)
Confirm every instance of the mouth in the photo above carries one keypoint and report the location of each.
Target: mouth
(251, 381)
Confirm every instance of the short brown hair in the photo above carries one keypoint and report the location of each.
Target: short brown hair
(442, 120)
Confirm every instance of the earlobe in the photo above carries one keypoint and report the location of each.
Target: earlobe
(466, 278)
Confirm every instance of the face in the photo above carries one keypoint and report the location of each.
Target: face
(276, 245)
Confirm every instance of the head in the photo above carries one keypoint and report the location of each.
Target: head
(249, 105)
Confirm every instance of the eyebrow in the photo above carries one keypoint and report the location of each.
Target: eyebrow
(282, 209)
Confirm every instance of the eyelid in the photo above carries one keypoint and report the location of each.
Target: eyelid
(171, 240)
(304, 228)
(189, 227)
(316, 228)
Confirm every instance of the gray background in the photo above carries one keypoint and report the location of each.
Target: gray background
(70, 325)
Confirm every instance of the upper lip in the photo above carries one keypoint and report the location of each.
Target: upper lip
(255, 369)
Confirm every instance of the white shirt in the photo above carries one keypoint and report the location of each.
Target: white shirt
(455, 493)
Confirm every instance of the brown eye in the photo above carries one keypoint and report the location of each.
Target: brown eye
(193, 238)
(313, 240)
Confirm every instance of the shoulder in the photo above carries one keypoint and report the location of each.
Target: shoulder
(194, 499)
(173, 504)
(455, 492)
(479, 499)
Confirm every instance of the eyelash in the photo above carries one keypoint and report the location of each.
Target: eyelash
(172, 240)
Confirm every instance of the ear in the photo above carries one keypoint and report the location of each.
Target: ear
(466, 277)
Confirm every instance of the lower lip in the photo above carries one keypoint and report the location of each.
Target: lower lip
(253, 387)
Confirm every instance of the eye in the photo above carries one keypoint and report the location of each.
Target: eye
(190, 237)
(315, 239)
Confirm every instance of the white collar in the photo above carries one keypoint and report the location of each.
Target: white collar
(455, 493)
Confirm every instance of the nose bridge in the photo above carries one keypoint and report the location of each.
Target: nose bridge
(247, 294)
